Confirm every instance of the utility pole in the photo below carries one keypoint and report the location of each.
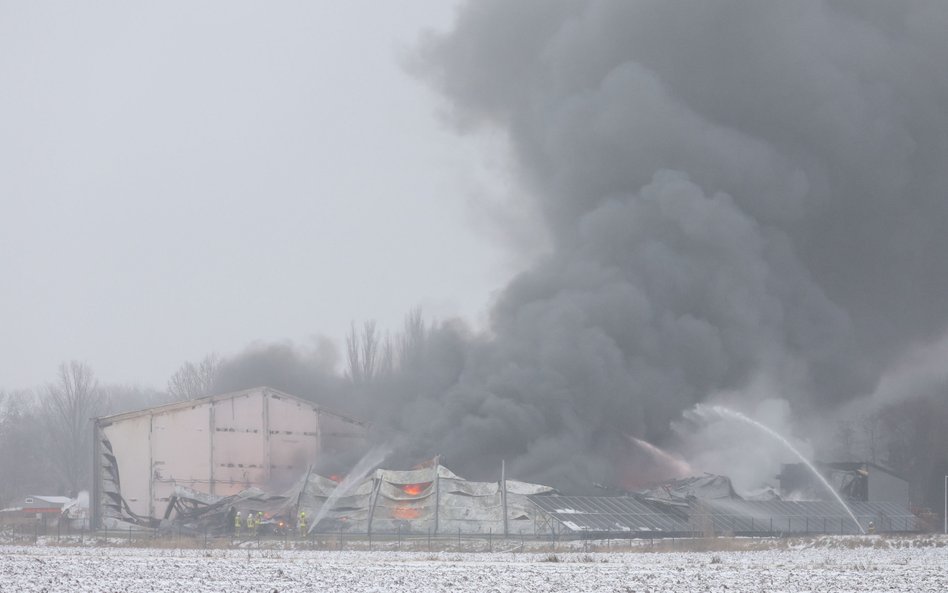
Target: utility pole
(503, 491)
(437, 487)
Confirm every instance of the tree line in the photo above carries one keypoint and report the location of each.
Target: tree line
(46, 432)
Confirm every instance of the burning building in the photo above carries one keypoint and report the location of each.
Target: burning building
(855, 481)
(218, 445)
(430, 499)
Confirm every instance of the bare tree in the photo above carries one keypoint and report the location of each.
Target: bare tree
(845, 439)
(917, 445)
(370, 350)
(363, 352)
(353, 355)
(413, 341)
(872, 436)
(192, 381)
(386, 365)
(126, 397)
(67, 408)
(23, 466)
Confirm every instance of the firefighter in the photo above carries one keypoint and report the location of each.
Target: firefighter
(237, 522)
(872, 527)
(302, 524)
(251, 525)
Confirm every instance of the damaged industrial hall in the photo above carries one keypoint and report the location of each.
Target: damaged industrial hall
(195, 464)
(206, 465)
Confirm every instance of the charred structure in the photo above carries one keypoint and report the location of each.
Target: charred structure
(855, 481)
(430, 499)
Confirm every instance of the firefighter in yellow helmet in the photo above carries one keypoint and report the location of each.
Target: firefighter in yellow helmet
(302, 524)
(237, 523)
(251, 525)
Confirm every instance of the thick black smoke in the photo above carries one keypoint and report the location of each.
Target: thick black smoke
(734, 190)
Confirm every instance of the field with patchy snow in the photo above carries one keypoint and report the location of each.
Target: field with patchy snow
(823, 566)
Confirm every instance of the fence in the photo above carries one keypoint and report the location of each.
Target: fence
(704, 526)
(781, 525)
(31, 534)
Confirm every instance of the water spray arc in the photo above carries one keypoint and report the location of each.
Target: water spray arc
(678, 465)
(722, 412)
(356, 475)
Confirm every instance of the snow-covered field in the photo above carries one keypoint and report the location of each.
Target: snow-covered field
(819, 567)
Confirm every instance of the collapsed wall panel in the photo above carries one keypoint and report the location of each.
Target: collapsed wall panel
(133, 439)
(470, 507)
(431, 500)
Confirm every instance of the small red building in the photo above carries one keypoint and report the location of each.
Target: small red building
(42, 508)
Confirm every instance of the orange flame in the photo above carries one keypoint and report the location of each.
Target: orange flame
(336, 478)
(415, 489)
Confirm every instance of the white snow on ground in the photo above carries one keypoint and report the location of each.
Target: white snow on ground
(804, 568)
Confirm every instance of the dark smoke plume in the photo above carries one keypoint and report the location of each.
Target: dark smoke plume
(733, 190)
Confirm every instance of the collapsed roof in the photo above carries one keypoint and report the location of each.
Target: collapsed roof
(415, 501)
(706, 486)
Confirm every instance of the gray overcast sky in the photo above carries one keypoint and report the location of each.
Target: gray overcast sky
(178, 178)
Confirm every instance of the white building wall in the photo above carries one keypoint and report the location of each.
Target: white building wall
(180, 453)
(294, 440)
(238, 447)
(132, 437)
(222, 446)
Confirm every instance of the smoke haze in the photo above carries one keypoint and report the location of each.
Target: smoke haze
(736, 195)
